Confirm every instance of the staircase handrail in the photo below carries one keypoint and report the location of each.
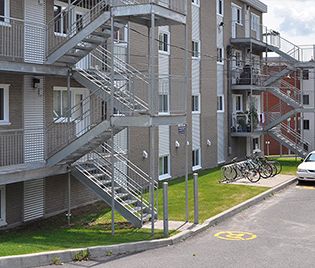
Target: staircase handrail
(131, 165)
(118, 199)
(93, 12)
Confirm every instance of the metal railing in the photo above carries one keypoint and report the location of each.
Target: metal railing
(290, 135)
(66, 24)
(22, 41)
(179, 6)
(19, 147)
(75, 121)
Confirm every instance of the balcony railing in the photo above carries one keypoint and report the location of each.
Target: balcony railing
(19, 147)
(22, 41)
(241, 122)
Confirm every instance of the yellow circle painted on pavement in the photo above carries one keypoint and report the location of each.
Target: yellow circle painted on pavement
(235, 236)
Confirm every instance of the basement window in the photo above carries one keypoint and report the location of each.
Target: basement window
(196, 157)
(164, 164)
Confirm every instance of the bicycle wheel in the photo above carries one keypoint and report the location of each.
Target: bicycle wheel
(253, 175)
(278, 167)
(229, 173)
(265, 170)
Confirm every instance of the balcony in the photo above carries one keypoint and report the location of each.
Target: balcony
(247, 78)
(242, 124)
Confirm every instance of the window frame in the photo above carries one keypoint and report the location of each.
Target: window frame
(167, 111)
(220, 55)
(196, 152)
(193, 49)
(193, 104)
(63, 6)
(308, 124)
(3, 205)
(252, 25)
(221, 110)
(306, 74)
(6, 105)
(167, 45)
(308, 99)
(196, 2)
(6, 15)
(164, 175)
(220, 5)
(235, 96)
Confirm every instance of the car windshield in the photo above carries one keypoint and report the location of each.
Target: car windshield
(310, 158)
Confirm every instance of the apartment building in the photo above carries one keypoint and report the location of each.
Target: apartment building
(308, 100)
(102, 99)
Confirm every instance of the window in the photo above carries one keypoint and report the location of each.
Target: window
(237, 103)
(306, 99)
(238, 15)
(306, 75)
(220, 103)
(196, 159)
(255, 22)
(61, 19)
(4, 11)
(2, 206)
(220, 7)
(164, 167)
(196, 2)
(219, 55)
(306, 124)
(164, 41)
(195, 104)
(60, 103)
(4, 104)
(195, 49)
(163, 99)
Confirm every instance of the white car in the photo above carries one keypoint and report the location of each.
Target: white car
(306, 170)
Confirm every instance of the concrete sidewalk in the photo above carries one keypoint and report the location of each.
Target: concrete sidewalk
(271, 182)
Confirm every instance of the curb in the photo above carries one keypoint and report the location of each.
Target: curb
(42, 259)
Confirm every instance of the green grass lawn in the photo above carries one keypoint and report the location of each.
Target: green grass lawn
(214, 197)
(92, 227)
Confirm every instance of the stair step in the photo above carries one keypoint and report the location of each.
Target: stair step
(101, 34)
(121, 195)
(131, 201)
(94, 40)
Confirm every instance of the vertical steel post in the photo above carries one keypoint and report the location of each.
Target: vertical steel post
(186, 129)
(112, 127)
(69, 199)
(165, 209)
(68, 103)
(196, 209)
(152, 105)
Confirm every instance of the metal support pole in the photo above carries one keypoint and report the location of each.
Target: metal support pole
(186, 129)
(112, 128)
(69, 199)
(196, 209)
(152, 105)
(69, 95)
(165, 209)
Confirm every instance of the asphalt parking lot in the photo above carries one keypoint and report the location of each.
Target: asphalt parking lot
(279, 232)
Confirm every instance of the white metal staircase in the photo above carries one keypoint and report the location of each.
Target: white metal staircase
(78, 137)
(291, 139)
(130, 188)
